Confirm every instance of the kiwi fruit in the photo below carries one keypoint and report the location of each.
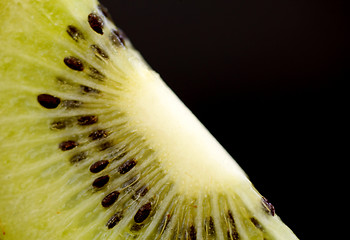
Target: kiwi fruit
(94, 145)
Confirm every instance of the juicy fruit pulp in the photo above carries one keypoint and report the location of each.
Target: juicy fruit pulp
(95, 146)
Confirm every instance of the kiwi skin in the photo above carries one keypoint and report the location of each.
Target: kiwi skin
(100, 147)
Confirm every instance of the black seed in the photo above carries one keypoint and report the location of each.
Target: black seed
(101, 181)
(78, 157)
(87, 120)
(114, 220)
(143, 213)
(98, 134)
(74, 33)
(67, 145)
(110, 199)
(87, 89)
(235, 235)
(256, 222)
(193, 233)
(232, 232)
(232, 235)
(105, 11)
(99, 52)
(61, 124)
(96, 23)
(74, 63)
(58, 125)
(118, 37)
(94, 73)
(99, 166)
(230, 217)
(126, 166)
(71, 103)
(209, 225)
(269, 208)
(48, 101)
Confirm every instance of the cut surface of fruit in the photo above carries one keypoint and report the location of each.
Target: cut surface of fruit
(94, 145)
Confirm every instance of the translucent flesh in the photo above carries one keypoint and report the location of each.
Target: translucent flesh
(194, 185)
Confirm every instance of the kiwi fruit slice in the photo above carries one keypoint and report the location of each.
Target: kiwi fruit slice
(94, 145)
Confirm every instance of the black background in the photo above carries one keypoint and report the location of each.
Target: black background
(263, 77)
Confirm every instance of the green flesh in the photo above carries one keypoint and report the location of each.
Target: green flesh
(46, 184)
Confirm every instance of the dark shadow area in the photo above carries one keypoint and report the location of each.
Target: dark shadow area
(264, 77)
